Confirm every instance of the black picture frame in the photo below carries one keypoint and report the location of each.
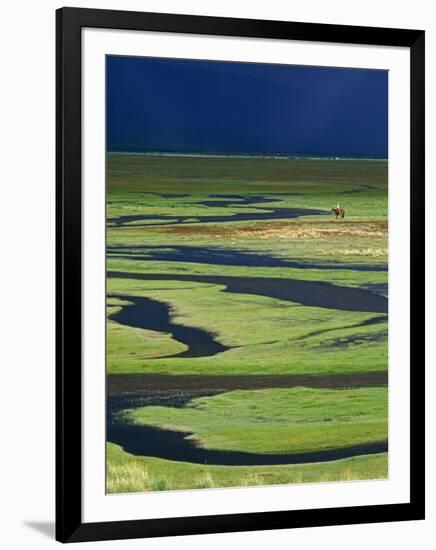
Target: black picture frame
(69, 525)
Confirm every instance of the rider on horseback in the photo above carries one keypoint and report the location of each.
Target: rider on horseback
(339, 212)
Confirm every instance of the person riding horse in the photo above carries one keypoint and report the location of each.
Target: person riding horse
(339, 212)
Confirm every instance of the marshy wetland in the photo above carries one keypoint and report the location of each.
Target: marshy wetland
(246, 326)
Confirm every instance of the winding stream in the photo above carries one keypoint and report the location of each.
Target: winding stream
(129, 391)
(151, 314)
(264, 213)
(174, 445)
(226, 256)
(308, 293)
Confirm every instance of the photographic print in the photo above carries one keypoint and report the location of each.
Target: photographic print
(246, 274)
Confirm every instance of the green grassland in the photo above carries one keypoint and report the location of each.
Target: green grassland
(266, 336)
(276, 421)
(127, 473)
(128, 174)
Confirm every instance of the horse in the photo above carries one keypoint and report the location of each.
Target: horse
(339, 212)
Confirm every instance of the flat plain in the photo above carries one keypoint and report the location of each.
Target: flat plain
(247, 327)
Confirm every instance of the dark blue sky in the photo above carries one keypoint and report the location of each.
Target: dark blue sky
(225, 107)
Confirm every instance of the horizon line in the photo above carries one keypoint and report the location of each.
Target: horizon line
(243, 155)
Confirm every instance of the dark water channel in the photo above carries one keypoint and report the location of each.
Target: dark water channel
(147, 313)
(188, 386)
(308, 293)
(265, 213)
(174, 445)
(225, 256)
(131, 391)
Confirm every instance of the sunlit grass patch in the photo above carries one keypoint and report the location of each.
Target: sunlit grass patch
(206, 481)
(161, 484)
(287, 230)
(371, 252)
(182, 475)
(129, 477)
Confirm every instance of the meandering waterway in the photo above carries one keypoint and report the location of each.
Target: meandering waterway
(175, 445)
(264, 213)
(308, 293)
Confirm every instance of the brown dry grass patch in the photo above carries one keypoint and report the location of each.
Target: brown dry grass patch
(289, 230)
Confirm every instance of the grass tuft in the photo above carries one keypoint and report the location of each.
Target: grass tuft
(206, 481)
(160, 485)
(131, 477)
